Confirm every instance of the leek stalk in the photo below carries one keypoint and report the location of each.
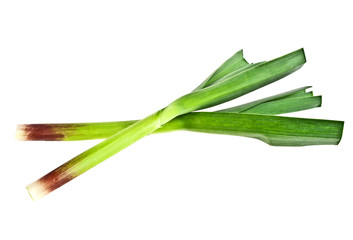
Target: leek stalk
(291, 101)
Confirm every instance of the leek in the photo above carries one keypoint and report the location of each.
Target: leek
(291, 101)
(233, 79)
(222, 88)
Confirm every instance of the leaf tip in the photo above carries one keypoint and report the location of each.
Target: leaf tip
(303, 53)
(340, 133)
(319, 101)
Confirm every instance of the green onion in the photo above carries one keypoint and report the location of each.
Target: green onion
(291, 101)
(222, 89)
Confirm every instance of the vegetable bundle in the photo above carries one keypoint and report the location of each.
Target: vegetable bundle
(232, 79)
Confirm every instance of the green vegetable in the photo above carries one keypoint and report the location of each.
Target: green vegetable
(294, 100)
(232, 79)
(273, 130)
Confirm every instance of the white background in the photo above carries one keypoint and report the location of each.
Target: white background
(83, 61)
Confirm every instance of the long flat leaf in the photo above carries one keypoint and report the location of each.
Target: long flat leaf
(286, 105)
(236, 86)
(244, 107)
(274, 130)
